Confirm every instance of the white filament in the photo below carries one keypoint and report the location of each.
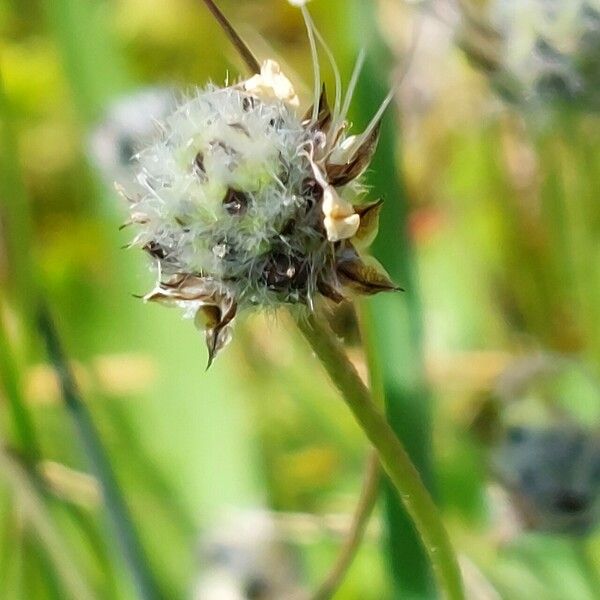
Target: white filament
(360, 61)
(315, 60)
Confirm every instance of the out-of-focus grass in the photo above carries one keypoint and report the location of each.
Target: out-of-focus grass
(503, 219)
(92, 63)
(46, 543)
(394, 321)
(94, 75)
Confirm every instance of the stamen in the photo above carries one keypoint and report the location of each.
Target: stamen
(233, 36)
(406, 65)
(315, 61)
(334, 67)
(360, 61)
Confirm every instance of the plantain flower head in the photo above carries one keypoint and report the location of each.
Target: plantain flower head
(247, 202)
(538, 52)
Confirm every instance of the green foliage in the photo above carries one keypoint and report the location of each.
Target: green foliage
(492, 231)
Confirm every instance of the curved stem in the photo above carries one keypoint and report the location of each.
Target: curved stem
(15, 213)
(233, 36)
(11, 386)
(365, 506)
(29, 502)
(118, 512)
(394, 458)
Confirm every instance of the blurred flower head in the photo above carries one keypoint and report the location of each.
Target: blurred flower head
(246, 202)
(244, 557)
(547, 453)
(129, 123)
(538, 52)
(553, 477)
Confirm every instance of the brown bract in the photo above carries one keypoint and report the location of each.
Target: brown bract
(335, 225)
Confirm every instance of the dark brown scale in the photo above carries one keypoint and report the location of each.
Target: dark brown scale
(312, 192)
(329, 291)
(276, 123)
(279, 271)
(155, 250)
(236, 202)
(199, 163)
(360, 276)
(247, 103)
(284, 174)
(289, 227)
(300, 279)
(324, 115)
(240, 127)
(285, 273)
(339, 175)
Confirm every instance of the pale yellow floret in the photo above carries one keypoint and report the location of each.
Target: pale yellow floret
(342, 153)
(272, 84)
(340, 220)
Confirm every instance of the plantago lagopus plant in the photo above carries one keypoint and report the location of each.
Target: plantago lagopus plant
(248, 201)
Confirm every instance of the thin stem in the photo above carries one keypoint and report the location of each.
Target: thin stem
(118, 512)
(30, 503)
(11, 385)
(315, 61)
(233, 36)
(15, 212)
(393, 327)
(19, 221)
(364, 509)
(336, 72)
(15, 209)
(394, 458)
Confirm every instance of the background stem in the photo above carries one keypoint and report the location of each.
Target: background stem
(364, 509)
(118, 512)
(394, 458)
(14, 212)
(392, 323)
(45, 533)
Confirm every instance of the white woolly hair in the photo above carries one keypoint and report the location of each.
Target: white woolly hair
(224, 144)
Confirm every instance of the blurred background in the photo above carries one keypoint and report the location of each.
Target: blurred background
(242, 481)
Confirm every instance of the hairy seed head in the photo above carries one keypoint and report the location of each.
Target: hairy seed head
(245, 203)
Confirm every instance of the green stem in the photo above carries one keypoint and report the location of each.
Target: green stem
(392, 323)
(20, 244)
(393, 457)
(10, 383)
(33, 508)
(118, 512)
(15, 209)
(15, 212)
(364, 509)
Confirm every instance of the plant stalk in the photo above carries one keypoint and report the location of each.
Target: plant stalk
(40, 519)
(391, 324)
(394, 459)
(11, 386)
(364, 509)
(130, 546)
(14, 211)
